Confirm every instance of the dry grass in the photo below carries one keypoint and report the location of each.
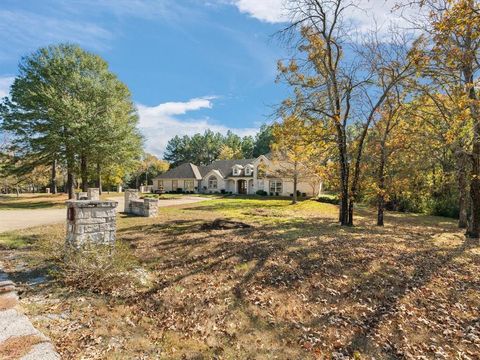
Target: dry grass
(294, 286)
(7, 301)
(16, 347)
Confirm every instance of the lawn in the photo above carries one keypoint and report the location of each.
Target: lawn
(32, 201)
(295, 285)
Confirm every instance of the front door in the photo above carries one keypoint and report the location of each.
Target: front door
(242, 186)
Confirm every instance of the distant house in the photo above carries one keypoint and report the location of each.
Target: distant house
(243, 176)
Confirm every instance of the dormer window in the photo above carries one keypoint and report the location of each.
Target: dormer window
(248, 170)
(237, 170)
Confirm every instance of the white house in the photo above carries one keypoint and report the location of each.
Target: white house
(243, 176)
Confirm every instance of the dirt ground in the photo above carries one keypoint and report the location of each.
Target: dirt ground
(294, 285)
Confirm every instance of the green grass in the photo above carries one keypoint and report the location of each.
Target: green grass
(32, 201)
(14, 240)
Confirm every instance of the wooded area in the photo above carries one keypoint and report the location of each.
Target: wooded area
(395, 112)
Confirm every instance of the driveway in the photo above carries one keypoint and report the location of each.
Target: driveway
(23, 219)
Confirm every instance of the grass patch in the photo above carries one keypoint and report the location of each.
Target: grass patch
(32, 201)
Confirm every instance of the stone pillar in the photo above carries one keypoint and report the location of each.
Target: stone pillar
(91, 222)
(150, 207)
(82, 195)
(93, 194)
(119, 188)
(130, 195)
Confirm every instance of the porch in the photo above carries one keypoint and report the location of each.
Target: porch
(240, 185)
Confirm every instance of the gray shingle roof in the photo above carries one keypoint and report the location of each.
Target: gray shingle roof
(183, 171)
(192, 171)
(224, 166)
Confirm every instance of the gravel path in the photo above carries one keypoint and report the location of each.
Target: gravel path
(23, 219)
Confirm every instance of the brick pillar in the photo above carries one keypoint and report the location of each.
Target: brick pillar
(150, 207)
(91, 222)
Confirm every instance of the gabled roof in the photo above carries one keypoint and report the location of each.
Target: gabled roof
(224, 166)
(183, 171)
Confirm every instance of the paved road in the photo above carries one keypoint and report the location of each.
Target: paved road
(23, 219)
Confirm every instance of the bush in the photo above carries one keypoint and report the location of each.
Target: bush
(261, 193)
(100, 268)
(329, 199)
(150, 196)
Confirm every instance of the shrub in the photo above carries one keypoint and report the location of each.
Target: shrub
(150, 196)
(99, 268)
(329, 199)
(261, 193)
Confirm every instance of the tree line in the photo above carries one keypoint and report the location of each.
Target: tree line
(396, 114)
(203, 149)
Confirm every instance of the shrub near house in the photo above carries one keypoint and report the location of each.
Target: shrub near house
(242, 176)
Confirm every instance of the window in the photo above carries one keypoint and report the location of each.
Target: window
(212, 182)
(188, 185)
(174, 185)
(248, 170)
(160, 184)
(236, 170)
(276, 186)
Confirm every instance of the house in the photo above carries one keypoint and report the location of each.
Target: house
(243, 176)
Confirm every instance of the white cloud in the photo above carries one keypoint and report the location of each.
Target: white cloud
(271, 11)
(365, 15)
(5, 83)
(161, 123)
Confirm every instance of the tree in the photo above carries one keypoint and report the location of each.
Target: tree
(292, 147)
(263, 140)
(203, 149)
(452, 46)
(66, 106)
(327, 84)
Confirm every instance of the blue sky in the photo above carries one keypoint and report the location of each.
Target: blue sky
(190, 64)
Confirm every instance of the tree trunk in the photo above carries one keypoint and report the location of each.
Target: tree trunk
(53, 184)
(99, 177)
(84, 172)
(70, 184)
(463, 202)
(344, 201)
(295, 180)
(474, 226)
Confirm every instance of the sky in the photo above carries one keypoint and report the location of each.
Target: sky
(190, 64)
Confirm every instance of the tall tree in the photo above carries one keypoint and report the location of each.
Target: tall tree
(64, 106)
(452, 45)
(329, 84)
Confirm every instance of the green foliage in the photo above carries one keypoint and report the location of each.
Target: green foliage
(202, 149)
(261, 193)
(64, 105)
(328, 199)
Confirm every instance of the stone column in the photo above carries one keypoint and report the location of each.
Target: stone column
(150, 207)
(82, 195)
(93, 194)
(91, 223)
(130, 195)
